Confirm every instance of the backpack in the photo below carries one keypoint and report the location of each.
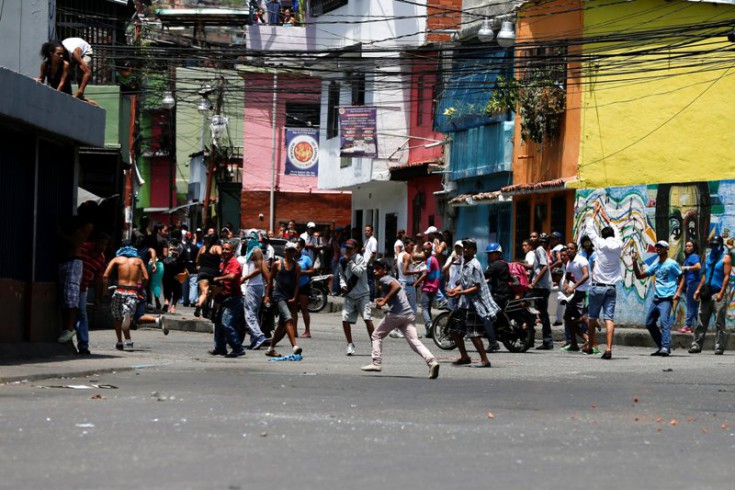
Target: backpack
(519, 283)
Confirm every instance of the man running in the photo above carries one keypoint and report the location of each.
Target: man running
(575, 285)
(131, 274)
(401, 316)
(230, 311)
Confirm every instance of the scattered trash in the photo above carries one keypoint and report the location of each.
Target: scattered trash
(263, 434)
(309, 374)
(490, 415)
(97, 397)
(668, 370)
(660, 419)
(674, 422)
(84, 426)
(76, 387)
(83, 387)
(106, 387)
(635, 399)
(292, 357)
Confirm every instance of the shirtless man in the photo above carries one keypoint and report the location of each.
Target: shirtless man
(131, 273)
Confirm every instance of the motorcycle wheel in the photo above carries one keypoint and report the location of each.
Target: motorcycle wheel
(517, 339)
(440, 332)
(317, 299)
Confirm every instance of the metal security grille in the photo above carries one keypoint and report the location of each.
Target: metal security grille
(321, 7)
(101, 24)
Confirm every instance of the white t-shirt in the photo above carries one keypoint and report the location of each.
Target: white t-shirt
(541, 260)
(574, 269)
(72, 43)
(371, 247)
(399, 243)
(309, 240)
(609, 250)
(531, 260)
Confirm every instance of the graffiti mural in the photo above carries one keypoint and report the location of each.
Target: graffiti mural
(645, 214)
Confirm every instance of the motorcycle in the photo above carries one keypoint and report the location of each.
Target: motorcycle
(514, 326)
(319, 294)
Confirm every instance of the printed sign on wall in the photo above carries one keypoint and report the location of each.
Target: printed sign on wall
(358, 133)
(302, 152)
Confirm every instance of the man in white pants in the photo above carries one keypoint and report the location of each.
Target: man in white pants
(400, 316)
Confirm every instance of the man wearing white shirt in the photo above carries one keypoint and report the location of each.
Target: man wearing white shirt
(371, 253)
(80, 58)
(605, 276)
(310, 240)
(575, 285)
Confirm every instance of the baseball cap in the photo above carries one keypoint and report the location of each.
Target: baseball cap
(557, 236)
(431, 229)
(662, 243)
(458, 243)
(543, 237)
(381, 263)
(351, 243)
(494, 247)
(310, 224)
(188, 235)
(290, 246)
(198, 230)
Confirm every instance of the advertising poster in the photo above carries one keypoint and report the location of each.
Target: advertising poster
(358, 134)
(302, 152)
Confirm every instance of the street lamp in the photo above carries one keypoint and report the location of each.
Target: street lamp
(168, 101)
(204, 106)
(507, 34)
(485, 34)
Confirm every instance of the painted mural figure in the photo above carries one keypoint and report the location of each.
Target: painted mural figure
(712, 296)
(667, 272)
(605, 276)
(682, 215)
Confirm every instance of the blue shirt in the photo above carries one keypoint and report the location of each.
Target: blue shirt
(692, 277)
(306, 263)
(718, 275)
(666, 276)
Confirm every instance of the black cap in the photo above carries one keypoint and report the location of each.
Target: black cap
(381, 263)
(544, 238)
(716, 240)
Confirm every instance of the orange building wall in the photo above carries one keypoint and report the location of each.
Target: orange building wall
(559, 158)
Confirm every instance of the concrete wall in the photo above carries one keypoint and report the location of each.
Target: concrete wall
(24, 26)
(668, 121)
(26, 101)
(258, 131)
(385, 197)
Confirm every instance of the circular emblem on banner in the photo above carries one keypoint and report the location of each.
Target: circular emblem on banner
(303, 151)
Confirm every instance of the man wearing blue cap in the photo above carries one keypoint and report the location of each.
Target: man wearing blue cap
(667, 272)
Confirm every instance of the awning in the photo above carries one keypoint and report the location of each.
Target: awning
(539, 187)
(480, 198)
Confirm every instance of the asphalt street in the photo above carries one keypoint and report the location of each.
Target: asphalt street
(543, 419)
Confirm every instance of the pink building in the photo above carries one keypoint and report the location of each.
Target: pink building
(297, 102)
(425, 151)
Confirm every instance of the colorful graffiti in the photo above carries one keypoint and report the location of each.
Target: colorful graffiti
(648, 213)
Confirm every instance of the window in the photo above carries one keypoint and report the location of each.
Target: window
(345, 162)
(357, 80)
(332, 108)
(559, 214)
(300, 115)
(321, 7)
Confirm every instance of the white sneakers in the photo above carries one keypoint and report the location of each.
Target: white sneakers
(396, 334)
(376, 368)
(67, 336)
(350, 349)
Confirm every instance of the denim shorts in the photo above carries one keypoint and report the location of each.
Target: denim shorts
(284, 312)
(602, 299)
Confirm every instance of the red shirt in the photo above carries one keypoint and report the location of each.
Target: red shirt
(93, 265)
(231, 287)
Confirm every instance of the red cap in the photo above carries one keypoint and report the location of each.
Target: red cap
(351, 243)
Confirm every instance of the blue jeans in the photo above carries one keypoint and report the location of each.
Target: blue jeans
(191, 290)
(602, 299)
(82, 325)
(253, 299)
(335, 277)
(427, 301)
(410, 290)
(660, 309)
(692, 306)
(225, 325)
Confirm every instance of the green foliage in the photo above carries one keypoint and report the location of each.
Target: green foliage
(539, 100)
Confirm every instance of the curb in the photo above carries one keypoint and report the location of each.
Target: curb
(71, 374)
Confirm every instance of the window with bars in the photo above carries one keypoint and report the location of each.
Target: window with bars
(332, 108)
(321, 7)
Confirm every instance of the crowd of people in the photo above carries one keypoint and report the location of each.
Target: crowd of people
(238, 276)
(273, 12)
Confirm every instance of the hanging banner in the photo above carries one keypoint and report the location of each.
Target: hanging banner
(302, 152)
(358, 133)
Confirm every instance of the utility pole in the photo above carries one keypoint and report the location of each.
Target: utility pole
(211, 166)
(132, 154)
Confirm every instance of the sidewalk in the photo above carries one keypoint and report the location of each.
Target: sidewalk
(34, 366)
